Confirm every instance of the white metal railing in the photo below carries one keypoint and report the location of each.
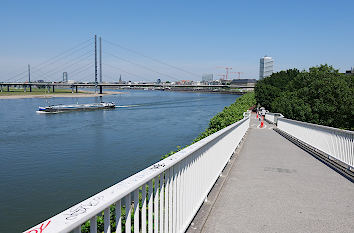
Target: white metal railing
(336, 143)
(161, 198)
(273, 117)
(247, 113)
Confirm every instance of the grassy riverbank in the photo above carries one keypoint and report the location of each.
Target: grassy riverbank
(35, 91)
(19, 93)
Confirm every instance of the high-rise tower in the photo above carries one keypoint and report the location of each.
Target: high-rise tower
(265, 67)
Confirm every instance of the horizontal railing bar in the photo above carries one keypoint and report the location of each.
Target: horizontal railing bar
(320, 126)
(332, 142)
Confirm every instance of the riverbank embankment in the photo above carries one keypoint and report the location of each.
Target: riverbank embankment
(81, 94)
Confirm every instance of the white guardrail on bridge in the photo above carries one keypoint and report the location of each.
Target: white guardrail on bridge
(273, 117)
(336, 143)
(161, 198)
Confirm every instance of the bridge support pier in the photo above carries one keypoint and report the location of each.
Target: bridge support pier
(1, 88)
(53, 88)
(101, 90)
(24, 88)
(72, 89)
(76, 89)
(8, 88)
(30, 87)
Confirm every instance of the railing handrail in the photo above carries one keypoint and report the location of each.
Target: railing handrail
(320, 126)
(120, 190)
(274, 114)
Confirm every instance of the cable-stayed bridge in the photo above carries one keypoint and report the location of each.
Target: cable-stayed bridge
(84, 62)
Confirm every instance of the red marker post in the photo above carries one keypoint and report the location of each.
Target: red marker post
(262, 124)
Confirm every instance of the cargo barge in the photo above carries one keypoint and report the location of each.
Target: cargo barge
(75, 107)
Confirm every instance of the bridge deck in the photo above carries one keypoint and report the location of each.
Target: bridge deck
(274, 186)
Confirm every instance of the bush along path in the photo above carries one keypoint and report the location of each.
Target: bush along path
(228, 116)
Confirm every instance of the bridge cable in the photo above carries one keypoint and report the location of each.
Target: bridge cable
(138, 76)
(71, 50)
(151, 58)
(64, 67)
(142, 66)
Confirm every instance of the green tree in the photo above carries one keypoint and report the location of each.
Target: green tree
(292, 107)
(321, 95)
(265, 94)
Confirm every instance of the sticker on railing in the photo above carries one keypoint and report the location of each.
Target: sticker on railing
(82, 208)
(39, 229)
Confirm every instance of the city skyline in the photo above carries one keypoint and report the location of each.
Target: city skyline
(190, 36)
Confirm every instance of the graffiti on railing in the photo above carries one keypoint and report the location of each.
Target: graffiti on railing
(39, 229)
(157, 166)
(82, 208)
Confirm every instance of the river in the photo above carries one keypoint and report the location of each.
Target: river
(49, 162)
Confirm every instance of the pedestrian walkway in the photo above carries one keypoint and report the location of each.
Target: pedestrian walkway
(274, 186)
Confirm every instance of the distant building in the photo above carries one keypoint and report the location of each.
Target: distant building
(265, 67)
(243, 82)
(207, 78)
(246, 84)
(350, 72)
(225, 81)
(184, 82)
(65, 77)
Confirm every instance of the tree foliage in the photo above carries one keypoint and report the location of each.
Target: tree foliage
(321, 95)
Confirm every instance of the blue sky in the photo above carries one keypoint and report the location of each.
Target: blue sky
(196, 36)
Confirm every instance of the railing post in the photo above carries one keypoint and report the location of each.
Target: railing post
(136, 210)
(107, 224)
(162, 202)
(156, 205)
(128, 214)
(93, 225)
(143, 209)
(118, 217)
(150, 206)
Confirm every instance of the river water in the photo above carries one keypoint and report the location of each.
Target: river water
(49, 162)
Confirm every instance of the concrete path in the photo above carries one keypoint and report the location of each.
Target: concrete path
(274, 186)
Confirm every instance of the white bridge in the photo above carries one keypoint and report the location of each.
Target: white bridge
(167, 196)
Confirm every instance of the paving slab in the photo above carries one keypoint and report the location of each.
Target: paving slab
(274, 186)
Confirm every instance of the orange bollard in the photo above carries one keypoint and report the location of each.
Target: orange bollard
(257, 115)
(262, 124)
